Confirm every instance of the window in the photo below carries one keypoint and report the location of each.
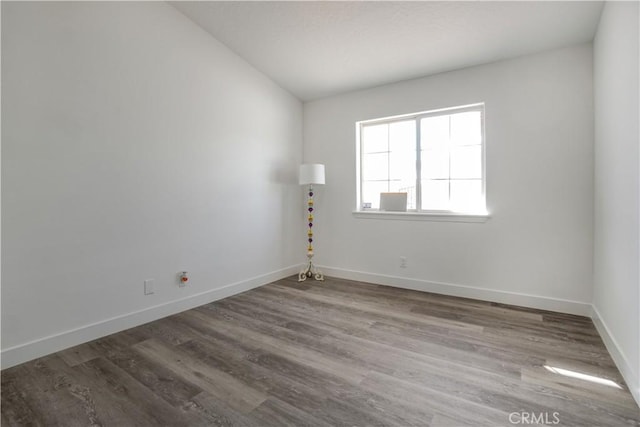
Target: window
(436, 157)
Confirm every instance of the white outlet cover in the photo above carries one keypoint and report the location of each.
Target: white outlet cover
(149, 286)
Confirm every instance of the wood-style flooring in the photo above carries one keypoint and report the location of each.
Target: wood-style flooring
(333, 353)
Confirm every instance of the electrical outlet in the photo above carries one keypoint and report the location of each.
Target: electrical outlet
(183, 279)
(403, 262)
(149, 286)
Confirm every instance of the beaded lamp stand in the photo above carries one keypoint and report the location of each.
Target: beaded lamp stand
(310, 271)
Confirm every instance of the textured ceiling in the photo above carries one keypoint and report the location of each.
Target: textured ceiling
(318, 48)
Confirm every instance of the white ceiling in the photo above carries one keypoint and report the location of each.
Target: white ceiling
(320, 48)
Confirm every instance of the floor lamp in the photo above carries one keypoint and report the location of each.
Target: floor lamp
(310, 174)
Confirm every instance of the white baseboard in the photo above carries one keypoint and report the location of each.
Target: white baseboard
(484, 294)
(622, 362)
(31, 350)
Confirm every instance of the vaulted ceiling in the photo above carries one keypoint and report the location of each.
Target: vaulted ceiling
(320, 48)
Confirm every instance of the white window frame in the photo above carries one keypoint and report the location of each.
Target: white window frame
(480, 215)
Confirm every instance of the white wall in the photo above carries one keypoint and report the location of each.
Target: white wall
(537, 247)
(617, 190)
(134, 146)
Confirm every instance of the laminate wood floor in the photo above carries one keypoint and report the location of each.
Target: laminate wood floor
(335, 353)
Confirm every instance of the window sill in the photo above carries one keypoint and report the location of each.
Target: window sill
(423, 216)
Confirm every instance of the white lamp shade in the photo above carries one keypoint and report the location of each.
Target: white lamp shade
(311, 173)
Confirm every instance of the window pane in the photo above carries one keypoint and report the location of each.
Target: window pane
(402, 159)
(466, 128)
(466, 195)
(408, 187)
(371, 192)
(466, 162)
(435, 194)
(402, 165)
(435, 164)
(434, 132)
(402, 136)
(375, 166)
(375, 139)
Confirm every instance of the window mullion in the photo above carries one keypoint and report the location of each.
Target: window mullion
(361, 167)
(389, 157)
(449, 145)
(418, 166)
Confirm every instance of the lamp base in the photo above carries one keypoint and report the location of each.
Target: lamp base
(310, 272)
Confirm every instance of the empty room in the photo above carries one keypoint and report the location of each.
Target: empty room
(320, 213)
